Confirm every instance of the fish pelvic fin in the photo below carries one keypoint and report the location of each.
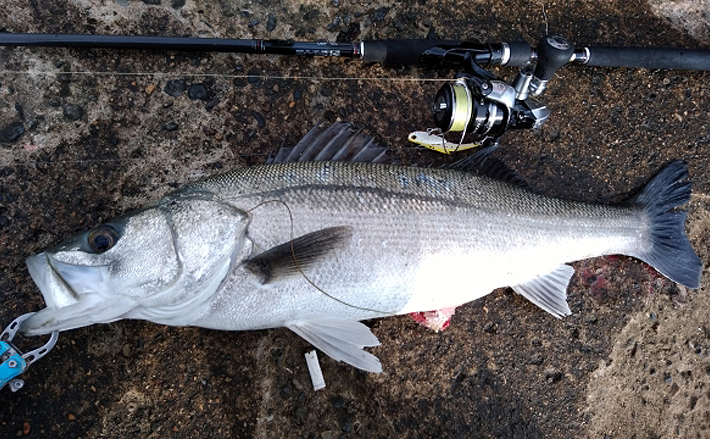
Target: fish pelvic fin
(341, 339)
(549, 291)
(670, 250)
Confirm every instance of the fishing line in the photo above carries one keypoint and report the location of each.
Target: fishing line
(128, 160)
(226, 75)
(300, 270)
(167, 75)
(547, 25)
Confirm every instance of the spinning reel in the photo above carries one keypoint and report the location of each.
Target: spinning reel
(482, 107)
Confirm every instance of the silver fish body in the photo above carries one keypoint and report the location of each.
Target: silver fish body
(421, 239)
(319, 246)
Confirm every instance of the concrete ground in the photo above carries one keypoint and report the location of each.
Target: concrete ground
(90, 134)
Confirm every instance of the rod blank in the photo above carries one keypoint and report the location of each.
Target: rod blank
(277, 47)
(387, 51)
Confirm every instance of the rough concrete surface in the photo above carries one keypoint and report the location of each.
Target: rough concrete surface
(89, 134)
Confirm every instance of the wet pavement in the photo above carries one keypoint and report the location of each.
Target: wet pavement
(88, 134)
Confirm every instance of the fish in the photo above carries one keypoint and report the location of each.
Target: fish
(330, 233)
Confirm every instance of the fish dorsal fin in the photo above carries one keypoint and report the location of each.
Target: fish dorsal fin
(341, 339)
(339, 142)
(481, 163)
(549, 291)
(296, 255)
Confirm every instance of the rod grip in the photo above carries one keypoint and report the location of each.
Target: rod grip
(650, 58)
(405, 52)
(520, 53)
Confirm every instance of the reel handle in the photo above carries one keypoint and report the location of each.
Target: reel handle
(553, 52)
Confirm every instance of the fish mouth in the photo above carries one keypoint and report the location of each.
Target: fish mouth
(72, 294)
(56, 292)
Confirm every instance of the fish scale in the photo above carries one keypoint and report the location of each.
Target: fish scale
(415, 224)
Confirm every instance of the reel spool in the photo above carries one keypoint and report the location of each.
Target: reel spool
(482, 109)
(457, 110)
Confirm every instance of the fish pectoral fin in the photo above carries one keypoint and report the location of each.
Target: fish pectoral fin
(296, 255)
(549, 291)
(342, 340)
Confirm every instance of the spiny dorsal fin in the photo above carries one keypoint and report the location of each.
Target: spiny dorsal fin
(340, 142)
(296, 255)
(481, 163)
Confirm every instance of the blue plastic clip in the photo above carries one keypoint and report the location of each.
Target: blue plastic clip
(12, 361)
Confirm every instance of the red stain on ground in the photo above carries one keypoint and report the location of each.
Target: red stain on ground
(437, 320)
(596, 281)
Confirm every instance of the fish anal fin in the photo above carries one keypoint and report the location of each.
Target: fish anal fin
(298, 254)
(340, 339)
(549, 291)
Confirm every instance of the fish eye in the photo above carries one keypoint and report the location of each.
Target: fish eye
(102, 238)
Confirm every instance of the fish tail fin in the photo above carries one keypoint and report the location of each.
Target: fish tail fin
(670, 251)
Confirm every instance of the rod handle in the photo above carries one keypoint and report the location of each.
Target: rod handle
(404, 52)
(648, 57)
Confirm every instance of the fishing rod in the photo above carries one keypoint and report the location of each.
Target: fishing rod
(476, 104)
